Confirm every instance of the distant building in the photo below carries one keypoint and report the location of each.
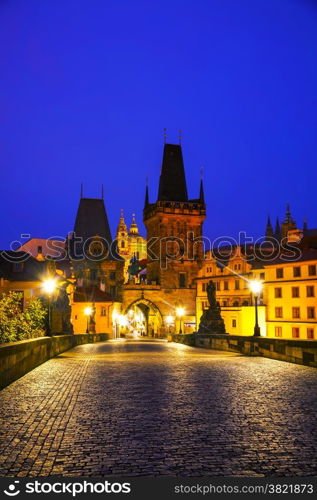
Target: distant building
(130, 243)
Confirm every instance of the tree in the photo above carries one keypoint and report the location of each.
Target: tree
(16, 323)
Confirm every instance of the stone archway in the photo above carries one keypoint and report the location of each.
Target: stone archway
(144, 318)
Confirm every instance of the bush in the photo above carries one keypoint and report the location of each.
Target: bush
(18, 324)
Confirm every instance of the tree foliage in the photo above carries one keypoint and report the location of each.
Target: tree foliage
(17, 323)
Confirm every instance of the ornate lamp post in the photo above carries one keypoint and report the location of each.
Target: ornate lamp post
(180, 311)
(256, 288)
(88, 313)
(49, 287)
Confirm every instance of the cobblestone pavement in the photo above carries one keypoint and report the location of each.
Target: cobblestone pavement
(129, 408)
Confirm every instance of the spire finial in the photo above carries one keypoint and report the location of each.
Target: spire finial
(102, 192)
(201, 173)
(305, 225)
(164, 135)
(180, 136)
(146, 181)
(121, 213)
(81, 190)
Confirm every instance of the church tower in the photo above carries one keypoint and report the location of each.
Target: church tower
(174, 226)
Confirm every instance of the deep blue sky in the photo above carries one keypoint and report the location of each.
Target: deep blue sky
(86, 88)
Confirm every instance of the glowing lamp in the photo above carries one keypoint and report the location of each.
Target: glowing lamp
(88, 311)
(255, 286)
(49, 285)
(180, 311)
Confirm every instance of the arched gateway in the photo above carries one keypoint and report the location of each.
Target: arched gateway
(144, 319)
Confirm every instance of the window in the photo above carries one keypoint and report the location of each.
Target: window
(310, 333)
(237, 285)
(113, 290)
(18, 267)
(278, 331)
(103, 311)
(234, 323)
(236, 303)
(224, 303)
(39, 249)
(310, 312)
(296, 312)
(280, 272)
(76, 317)
(278, 293)
(279, 312)
(245, 303)
(218, 285)
(295, 332)
(204, 287)
(122, 244)
(112, 275)
(262, 276)
(204, 305)
(182, 280)
(295, 292)
(226, 285)
(296, 272)
(310, 291)
(312, 270)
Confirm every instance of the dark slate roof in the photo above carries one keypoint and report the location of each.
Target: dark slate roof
(91, 294)
(172, 185)
(92, 220)
(20, 266)
(301, 255)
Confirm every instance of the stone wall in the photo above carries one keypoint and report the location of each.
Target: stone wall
(303, 352)
(18, 358)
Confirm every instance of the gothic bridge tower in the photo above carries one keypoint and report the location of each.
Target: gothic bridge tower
(174, 226)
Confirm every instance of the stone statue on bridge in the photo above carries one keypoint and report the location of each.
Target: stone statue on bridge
(211, 321)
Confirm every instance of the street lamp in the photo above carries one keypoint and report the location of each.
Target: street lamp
(88, 313)
(180, 311)
(169, 321)
(256, 288)
(49, 287)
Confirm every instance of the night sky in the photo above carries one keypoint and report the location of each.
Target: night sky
(86, 88)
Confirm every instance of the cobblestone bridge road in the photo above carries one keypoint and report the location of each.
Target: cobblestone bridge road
(129, 408)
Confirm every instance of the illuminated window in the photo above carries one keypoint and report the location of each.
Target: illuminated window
(310, 312)
(295, 332)
(295, 292)
(279, 312)
(310, 333)
(296, 312)
(278, 331)
(296, 272)
(278, 293)
(310, 291)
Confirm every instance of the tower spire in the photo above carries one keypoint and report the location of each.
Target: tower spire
(172, 185)
(305, 225)
(102, 192)
(146, 200)
(201, 189)
(81, 190)
(269, 228)
(180, 136)
(277, 232)
(164, 135)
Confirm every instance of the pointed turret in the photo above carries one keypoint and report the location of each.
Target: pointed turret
(201, 192)
(172, 185)
(277, 232)
(146, 200)
(288, 224)
(134, 228)
(92, 220)
(269, 228)
(305, 225)
(122, 227)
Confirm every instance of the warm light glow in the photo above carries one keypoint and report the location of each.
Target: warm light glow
(255, 286)
(180, 311)
(131, 312)
(169, 320)
(122, 320)
(88, 311)
(49, 285)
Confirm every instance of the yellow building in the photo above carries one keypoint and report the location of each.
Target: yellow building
(291, 290)
(130, 243)
(231, 271)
